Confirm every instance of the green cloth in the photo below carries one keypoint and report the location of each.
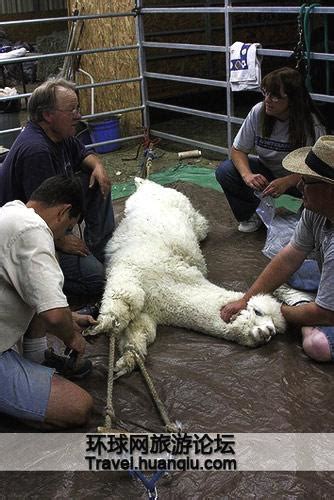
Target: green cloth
(187, 173)
(201, 176)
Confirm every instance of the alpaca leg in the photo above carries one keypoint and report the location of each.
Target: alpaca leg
(198, 221)
(200, 225)
(139, 334)
(122, 301)
(198, 308)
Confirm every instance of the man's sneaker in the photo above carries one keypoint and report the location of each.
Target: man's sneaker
(251, 225)
(66, 366)
(293, 297)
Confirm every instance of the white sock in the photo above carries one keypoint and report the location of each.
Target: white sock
(33, 349)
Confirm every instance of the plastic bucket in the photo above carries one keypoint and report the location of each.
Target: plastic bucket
(107, 130)
(83, 135)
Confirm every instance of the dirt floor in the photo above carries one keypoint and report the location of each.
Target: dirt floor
(207, 384)
(124, 164)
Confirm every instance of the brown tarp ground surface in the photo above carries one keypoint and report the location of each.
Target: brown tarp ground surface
(209, 385)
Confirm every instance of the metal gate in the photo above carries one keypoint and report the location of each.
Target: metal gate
(147, 104)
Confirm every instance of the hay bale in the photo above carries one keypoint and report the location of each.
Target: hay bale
(110, 32)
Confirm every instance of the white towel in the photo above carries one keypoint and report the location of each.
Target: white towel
(8, 91)
(245, 66)
(13, 53)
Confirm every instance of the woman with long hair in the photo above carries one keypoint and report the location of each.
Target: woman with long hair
(285, 120)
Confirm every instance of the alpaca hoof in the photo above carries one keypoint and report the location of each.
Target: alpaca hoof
(124, 365)
(262, 335)
(120, 373)
(90, 332)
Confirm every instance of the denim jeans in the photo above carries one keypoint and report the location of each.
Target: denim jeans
(25, 387)
(240, 197)
(307, 277)
(86, 275)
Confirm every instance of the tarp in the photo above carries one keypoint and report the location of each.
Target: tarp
(207, 384)
(198, 175)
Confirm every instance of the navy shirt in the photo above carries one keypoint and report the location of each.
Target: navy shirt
(33, 158)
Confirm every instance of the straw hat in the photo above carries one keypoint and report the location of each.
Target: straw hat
(316, 161)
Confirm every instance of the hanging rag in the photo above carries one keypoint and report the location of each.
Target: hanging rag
(245, 66)
(13, 53)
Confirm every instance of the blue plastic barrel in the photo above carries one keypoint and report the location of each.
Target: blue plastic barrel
(107, 130)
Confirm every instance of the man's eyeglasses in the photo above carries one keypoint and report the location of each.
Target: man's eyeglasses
(273, 98)
(73, 111)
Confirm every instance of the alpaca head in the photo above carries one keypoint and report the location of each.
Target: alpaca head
(262, 319)
(265, 308)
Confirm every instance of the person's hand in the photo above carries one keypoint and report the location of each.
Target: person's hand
(100, 175)
(73, 245)
(82, 321)
(77, 343)
(229, 311)
(255, 181)
(277, 187)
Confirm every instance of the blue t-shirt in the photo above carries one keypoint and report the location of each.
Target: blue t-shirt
(33, 158)
(315, 233)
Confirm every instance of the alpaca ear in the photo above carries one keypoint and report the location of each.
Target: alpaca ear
(277, 316)
(279, 321)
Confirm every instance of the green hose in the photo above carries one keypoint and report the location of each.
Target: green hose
(305, 11)
(326, 48)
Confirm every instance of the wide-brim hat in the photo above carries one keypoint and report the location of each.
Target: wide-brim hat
(316, 161)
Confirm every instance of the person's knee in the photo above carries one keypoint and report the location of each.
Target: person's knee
(97, 288)
(78, 410)
(85, 278)
(94, 286)
(224, 170)
(69, 405)
(95, 278)
(316, 345)
(83, 409)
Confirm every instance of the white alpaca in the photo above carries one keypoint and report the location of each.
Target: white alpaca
(156, 275)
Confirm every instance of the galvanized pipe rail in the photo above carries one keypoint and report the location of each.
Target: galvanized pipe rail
(66, 18)
(97, 50)
(83, 86)
(142, 45)
(68, 53)
(220, 48)
(227, 10)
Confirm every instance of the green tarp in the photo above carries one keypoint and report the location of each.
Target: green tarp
(202, 176)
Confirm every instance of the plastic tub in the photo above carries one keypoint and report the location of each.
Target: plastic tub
(105, 131)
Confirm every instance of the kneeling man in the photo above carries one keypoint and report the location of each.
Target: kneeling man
(32, 303)
(314, 233)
